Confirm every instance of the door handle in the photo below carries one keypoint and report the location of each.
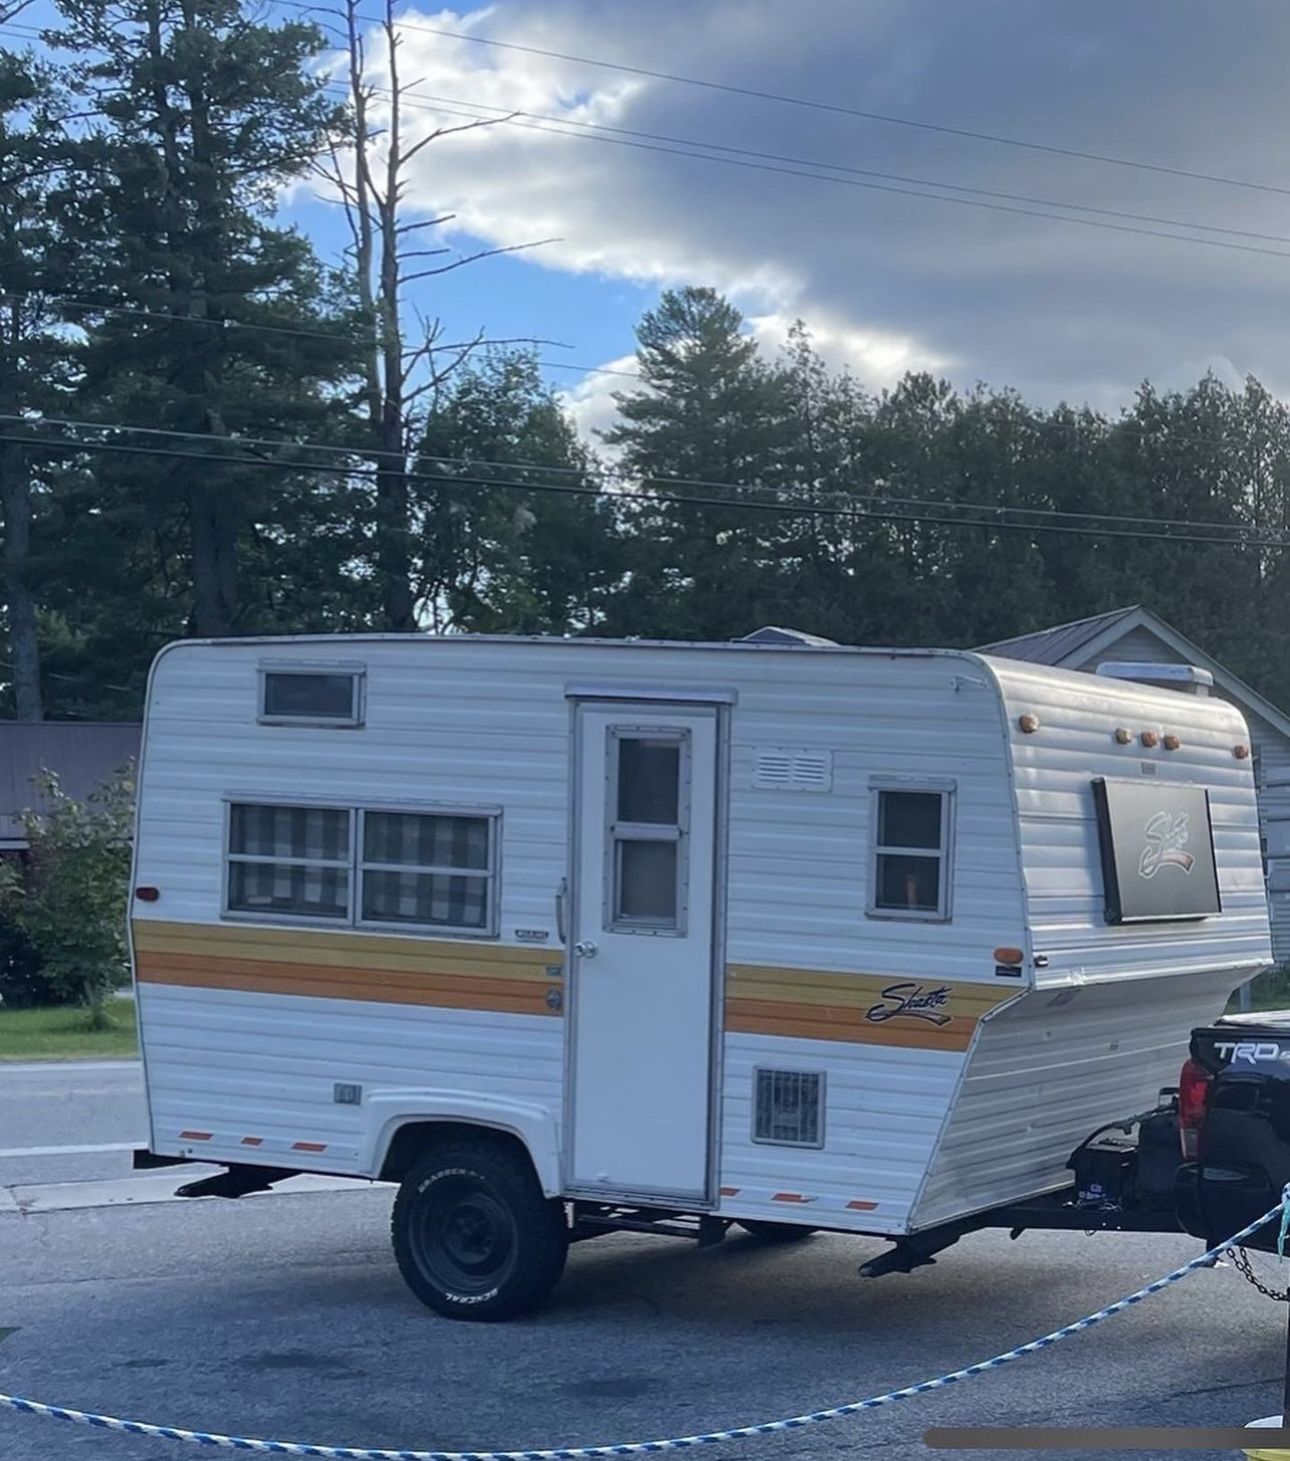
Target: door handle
(585, 948)
(561, 895)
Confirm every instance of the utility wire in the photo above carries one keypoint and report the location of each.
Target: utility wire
(850, 182)
(785, 99)
(857, 512)
(513, 114)
(605, 470)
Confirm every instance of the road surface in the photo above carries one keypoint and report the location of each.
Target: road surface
(283, 1316)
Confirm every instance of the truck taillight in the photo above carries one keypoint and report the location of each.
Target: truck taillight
(1193, 1101)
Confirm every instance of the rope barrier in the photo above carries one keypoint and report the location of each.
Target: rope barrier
(637, 1448)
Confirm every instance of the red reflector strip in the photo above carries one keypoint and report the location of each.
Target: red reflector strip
(308, 1146)
(730, 1192)
(790, 1197)
(252, 1141)
(194, 1136)
(860, 1206)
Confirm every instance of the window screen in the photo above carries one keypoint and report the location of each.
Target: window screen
(648, 810)
(911, 853)
(427, 869)
(330, 696)
(788, 1108)
(292, 861)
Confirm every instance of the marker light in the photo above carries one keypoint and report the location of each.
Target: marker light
(1150, 738)
(1029, 724)
(1009, 956)
(1172, 742)
(147, 894)
(1241, 752)
(1123, 736)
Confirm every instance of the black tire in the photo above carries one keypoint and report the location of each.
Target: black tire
(474, 1236)
(775, 1232)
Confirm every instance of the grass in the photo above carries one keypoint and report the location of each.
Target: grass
(65, 1034)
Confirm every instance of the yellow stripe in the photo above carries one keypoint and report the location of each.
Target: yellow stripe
(870, 1009)
(380, 968)
(808, 1004)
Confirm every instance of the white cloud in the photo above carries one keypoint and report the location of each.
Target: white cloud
(590, 403)
(889, 282)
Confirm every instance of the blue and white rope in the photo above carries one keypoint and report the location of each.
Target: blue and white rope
(636, 1448)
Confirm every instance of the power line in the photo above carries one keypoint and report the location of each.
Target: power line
(511, 114)
(849, 182)
(757, 94)
(1249, 537)
(603, 470)
(90, 306)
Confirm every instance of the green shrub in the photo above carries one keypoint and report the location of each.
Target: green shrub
(69, 902)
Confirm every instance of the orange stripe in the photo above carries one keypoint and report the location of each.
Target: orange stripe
(308, 1146)
(467, 991)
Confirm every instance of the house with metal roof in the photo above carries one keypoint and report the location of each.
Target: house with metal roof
(83, 754)
(1137, 634)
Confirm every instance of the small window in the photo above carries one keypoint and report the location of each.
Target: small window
(788, 1108)
(648, 810)
(428, 870)
(311, 696)
(911, 862)
(288, 861)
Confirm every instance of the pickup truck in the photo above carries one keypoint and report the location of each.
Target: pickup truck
(1211, 1157)
(1233, 1122)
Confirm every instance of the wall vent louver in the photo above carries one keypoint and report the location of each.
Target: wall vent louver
(785, 768)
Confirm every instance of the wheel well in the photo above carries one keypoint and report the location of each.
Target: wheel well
(415, 1139)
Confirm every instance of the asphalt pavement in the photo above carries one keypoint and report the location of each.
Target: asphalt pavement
(284, 1317)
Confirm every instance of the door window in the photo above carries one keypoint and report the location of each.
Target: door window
(648, 777)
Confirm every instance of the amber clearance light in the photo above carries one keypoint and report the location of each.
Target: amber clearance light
(1028, 724)
(1009, 956)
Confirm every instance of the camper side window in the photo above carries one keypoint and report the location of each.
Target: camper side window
(910, 875)
(433, 870)
(290, 862)
(305, 694)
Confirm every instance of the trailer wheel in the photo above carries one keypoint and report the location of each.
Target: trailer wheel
(474, 1236)
(775, 1232)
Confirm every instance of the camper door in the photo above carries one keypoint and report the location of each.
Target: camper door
(642, 949)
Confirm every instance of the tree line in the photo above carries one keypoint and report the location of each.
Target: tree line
(318, 455)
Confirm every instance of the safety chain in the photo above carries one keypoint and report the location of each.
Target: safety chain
(1241, 1261)
(636, 1448)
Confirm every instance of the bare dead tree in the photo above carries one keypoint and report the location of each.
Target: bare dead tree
(407, 358)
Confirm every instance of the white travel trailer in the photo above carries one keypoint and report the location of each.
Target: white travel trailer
(566, 936)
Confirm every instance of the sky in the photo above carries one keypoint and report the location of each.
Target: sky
(887, 282)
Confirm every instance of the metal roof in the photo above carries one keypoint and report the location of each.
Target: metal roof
(1055, 646)
(83, 753)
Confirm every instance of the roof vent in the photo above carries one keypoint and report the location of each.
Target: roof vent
(1189, 679)
(772, 635)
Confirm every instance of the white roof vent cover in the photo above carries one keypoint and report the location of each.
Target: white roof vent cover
(789, 768)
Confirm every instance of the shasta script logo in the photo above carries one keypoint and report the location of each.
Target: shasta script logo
(1167, 836)
(913, 1000)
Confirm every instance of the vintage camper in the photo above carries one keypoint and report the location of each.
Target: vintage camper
(568, 936)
